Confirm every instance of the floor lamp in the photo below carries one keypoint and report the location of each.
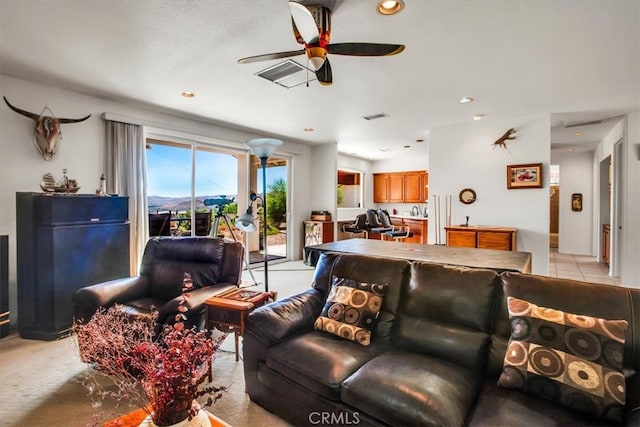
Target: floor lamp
(262, 148)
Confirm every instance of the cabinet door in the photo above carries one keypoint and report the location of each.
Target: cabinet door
(396, 188)
(494, 240)
(425, 187)
(417, 227)
(414, 188)
(461, 238)
(380, 188)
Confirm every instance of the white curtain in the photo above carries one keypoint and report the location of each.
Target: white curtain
(126, 173)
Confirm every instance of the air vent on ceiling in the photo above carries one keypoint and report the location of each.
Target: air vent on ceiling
(375, 116)
(288, 74)
(585, 123)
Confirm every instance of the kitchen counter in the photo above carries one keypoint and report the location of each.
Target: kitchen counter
(418, 217)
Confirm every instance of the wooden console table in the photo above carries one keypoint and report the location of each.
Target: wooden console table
(486, 237)
(468, 257)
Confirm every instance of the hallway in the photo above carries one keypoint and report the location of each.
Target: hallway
(579, 267)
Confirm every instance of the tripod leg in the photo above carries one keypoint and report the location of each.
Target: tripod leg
(235, 239)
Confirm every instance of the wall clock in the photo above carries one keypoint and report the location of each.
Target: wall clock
(467, 196)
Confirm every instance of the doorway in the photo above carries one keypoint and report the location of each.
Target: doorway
(276, 172)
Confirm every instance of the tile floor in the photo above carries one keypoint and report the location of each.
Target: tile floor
(579, 267)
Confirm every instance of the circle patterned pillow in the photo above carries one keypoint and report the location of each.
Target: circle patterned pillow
(572, 359)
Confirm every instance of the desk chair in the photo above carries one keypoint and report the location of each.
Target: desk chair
(357, 228)
(201, 224)
(160, 224)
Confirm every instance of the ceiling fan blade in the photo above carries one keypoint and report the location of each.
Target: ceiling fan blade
(269, 56)
(304, 23)
(365, 49)
(324, 74)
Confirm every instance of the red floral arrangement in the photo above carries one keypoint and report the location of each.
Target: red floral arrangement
(163, 375)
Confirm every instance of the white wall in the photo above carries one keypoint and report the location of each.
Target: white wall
(630, 266)
(576, 228)
(82, 149)
(463, 157)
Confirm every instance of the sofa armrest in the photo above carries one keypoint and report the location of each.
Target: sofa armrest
(287, 317)
(195, 302)
(632, 407)
(88, 299)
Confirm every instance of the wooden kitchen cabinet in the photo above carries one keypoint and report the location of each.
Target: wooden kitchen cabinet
(418, 227)
(400, 187)
(396, 188)
(414, 188)
(380, 188)
(501, 238)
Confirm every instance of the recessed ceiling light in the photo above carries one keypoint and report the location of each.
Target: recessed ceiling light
(188, 94)
(465, 100)
(389, 7)
(406, 146)
(308, 129)
(578, 133)
(478, 116)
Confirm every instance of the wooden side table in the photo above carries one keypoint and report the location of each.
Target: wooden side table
(228, 311)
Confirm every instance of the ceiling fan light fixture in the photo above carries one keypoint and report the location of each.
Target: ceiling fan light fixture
(389, 7)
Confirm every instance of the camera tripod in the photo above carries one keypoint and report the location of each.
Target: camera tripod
(220, 213)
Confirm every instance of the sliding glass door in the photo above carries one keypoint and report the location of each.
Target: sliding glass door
(203, 186)
(196, 184)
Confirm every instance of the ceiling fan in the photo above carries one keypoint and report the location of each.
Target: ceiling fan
(312, 28)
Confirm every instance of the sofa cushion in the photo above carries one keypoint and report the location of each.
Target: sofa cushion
(351, 310)
(447, 312)
(572, 359)
(320, 362)
(409, 389)
(498, 406)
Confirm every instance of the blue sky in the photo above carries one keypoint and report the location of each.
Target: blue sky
(169, 170)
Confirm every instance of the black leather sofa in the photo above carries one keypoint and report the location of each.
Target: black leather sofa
(436, 354)
(214, 264)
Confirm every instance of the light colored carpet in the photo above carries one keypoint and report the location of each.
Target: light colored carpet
(40, 381)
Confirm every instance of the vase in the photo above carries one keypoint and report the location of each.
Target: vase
(200, 420)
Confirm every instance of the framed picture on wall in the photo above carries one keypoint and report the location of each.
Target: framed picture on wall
(524, 176)
(576, 202)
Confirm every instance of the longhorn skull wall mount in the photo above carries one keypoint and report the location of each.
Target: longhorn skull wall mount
(47, 132)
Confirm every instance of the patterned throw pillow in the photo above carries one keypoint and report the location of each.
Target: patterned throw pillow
(571, 359)
(351, 309)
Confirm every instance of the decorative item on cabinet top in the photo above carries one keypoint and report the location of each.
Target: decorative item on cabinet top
(320, 216)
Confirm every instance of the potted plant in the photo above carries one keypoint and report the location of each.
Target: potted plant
(164, 375)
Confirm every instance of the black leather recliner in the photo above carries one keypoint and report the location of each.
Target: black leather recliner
(214, 264)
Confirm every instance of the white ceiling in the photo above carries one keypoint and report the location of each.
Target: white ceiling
(574, 59)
